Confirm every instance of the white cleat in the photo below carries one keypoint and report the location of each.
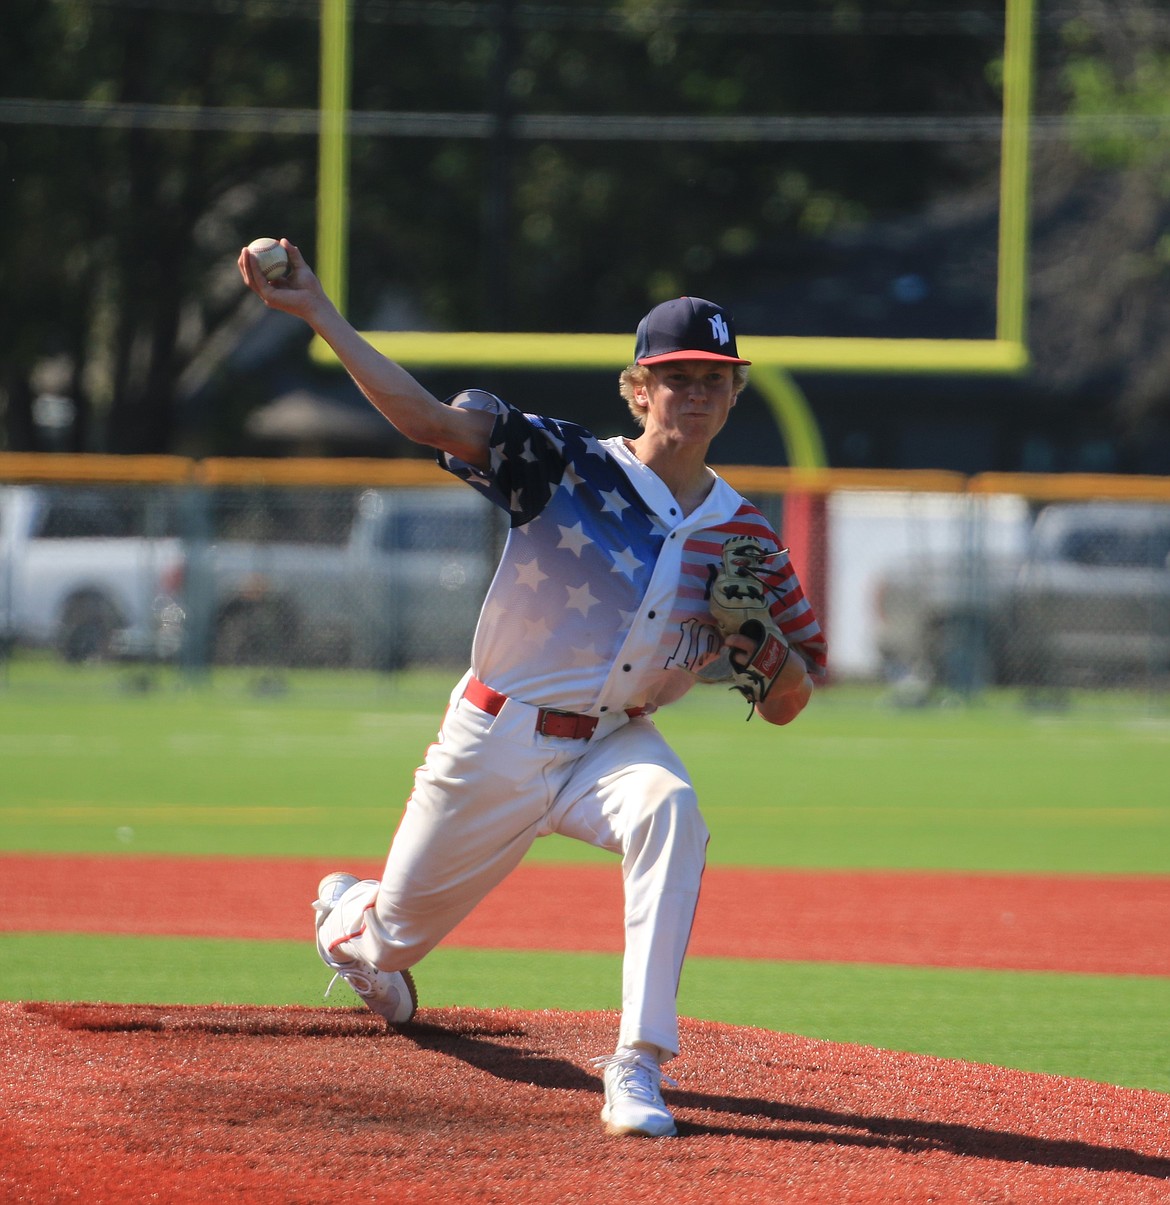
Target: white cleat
(329, 891)
(633, 1095)
(389, 994)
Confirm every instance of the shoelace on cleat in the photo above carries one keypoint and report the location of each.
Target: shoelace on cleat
(632, 1063)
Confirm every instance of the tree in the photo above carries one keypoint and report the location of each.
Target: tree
(116, 238)
(121, 219)
(1103, 207)
(600, 227)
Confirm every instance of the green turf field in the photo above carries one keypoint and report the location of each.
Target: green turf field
(105, 761)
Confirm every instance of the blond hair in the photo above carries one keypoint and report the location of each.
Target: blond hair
(635, 376)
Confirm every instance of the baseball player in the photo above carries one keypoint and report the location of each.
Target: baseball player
(631, 572)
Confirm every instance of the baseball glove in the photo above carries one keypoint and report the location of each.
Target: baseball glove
(739, 605)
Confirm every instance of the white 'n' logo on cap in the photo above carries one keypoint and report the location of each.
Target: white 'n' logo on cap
(719, 329)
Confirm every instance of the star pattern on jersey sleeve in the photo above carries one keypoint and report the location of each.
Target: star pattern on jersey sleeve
(573, 538)
(528, 461)
(536, 631)
(529, 574)
(624, 561)
(581, 599)
(614, 501)
(571, 479)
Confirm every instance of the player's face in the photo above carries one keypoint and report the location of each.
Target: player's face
(689, 400)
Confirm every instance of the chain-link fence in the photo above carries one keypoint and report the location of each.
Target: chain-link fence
(84, 569)
(370, 579)
(256, 576)
(972, 590)
(924, 591)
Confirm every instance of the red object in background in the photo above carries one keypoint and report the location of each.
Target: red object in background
(806, 532)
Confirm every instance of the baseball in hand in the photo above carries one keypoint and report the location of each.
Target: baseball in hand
(271, 257)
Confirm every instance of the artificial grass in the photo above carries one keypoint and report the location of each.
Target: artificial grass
(853, 783)
(98, 760)
(1114, 1029)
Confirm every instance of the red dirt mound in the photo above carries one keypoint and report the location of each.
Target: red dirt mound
(113, 1103)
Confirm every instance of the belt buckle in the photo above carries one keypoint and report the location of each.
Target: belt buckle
(544, 715)
(569, 724)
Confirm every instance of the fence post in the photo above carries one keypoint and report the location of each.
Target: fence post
(198, 593)
(806, 532)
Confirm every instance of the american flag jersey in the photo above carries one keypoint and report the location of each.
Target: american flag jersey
(599, 602)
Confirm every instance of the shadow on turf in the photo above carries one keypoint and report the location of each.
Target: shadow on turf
(485, 1047)
(913, 1136)
(505, 1062)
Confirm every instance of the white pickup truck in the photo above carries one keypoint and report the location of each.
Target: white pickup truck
(402, 583)
(78, 574)
(1088, 604)
(98, 572)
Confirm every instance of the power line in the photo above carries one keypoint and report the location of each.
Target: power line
(570, 127)
(972, 21)
(743, 21)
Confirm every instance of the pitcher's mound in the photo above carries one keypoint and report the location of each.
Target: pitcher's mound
(107, 1102)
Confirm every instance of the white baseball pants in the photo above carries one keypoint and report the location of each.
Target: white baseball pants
(489, 787)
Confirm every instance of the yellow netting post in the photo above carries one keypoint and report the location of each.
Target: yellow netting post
(794, 417)
(333, 151)
(1015, 173)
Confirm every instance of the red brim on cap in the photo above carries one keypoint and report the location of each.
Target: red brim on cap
(691, 355)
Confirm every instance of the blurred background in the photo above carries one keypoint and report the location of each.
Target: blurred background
(822, 168)
(852, 189)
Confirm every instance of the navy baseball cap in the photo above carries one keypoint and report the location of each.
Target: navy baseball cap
(687, 328)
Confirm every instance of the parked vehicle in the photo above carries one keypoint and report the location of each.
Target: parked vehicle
(79, 574)
(405, 585)
(1089, 604)
(114, 572)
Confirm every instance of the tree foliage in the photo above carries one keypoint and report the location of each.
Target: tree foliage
(1102, 265)
(116, 236)
(123, 208)
(598, 228)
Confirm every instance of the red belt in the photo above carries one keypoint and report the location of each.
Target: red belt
(567, 724)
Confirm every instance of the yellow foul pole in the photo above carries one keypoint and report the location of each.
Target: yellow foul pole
(1018, 55)
(333, 151)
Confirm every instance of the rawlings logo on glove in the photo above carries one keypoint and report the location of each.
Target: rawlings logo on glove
(739, 605)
